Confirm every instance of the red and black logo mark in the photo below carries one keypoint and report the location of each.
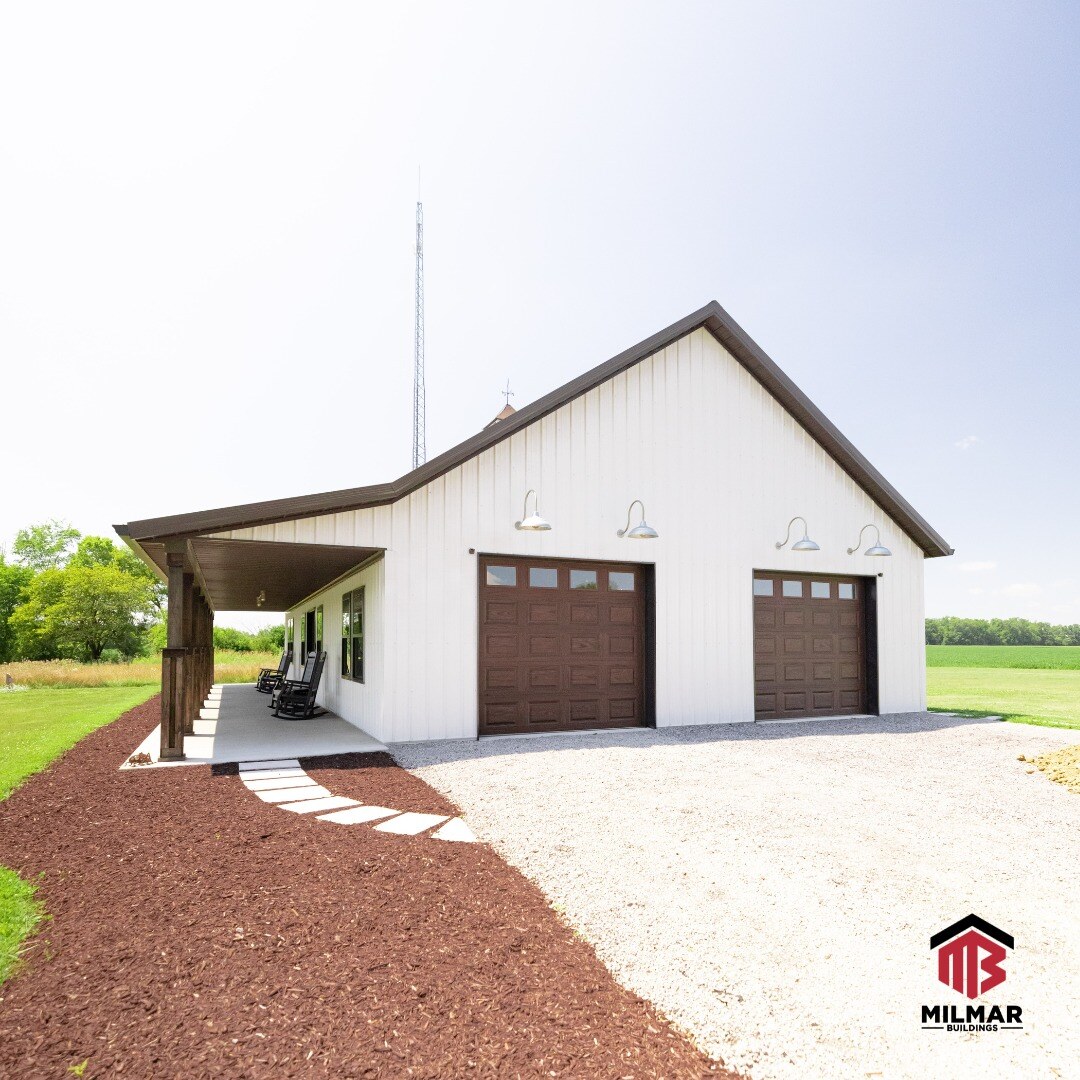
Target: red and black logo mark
(970, 953)
(969, 958)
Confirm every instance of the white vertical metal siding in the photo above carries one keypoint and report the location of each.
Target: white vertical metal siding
(721, 467)
(359, 703)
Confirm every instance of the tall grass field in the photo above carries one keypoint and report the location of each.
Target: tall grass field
(229, 667)
(1028, 684)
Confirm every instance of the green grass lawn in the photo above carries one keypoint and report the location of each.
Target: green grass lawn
(1026, 684)
(1052, 657)
(36, 727)
(19, 914)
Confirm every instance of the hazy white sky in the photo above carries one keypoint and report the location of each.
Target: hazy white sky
(212, 205)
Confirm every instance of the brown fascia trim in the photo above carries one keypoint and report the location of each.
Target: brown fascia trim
(711, 317)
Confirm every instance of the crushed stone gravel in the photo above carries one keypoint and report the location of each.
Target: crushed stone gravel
(773, 888)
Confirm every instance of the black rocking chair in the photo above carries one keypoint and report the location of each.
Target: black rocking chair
(270, 678)
(295, 699)
(305, 677)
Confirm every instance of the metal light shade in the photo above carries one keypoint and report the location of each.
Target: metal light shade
(532, 522)
(805, 544)
(878, 550)
(642, 530)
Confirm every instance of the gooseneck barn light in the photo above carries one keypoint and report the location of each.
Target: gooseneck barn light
(641, 531)
(877, 550)
(805, 544)
(531, 522)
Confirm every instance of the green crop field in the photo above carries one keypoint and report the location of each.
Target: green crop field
(1028, 684)
(1052, 657)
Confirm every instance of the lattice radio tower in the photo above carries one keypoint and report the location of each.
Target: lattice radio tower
(419, 395)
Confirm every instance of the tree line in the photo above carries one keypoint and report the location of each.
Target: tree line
(68, 596)
(951, 630)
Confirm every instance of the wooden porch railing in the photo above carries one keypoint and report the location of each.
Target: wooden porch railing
(187, 664)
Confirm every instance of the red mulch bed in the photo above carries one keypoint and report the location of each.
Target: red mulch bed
(197, 931)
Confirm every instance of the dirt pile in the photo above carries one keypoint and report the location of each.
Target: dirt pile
(1061, 766)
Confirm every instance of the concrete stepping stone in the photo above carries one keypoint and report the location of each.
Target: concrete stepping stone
(272, 774)
(293, 794)
(281, 782)
(410, 824)
(359, 814)
(455, 829)
(283, 763)
(316, 806)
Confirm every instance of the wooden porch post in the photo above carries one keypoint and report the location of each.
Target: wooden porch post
(206, 643)
(210, 642)
(172, 665)
(191, 704)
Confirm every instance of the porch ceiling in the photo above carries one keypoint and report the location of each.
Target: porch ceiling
(236, 571)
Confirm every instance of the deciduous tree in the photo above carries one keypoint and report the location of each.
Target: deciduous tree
(81, 610)
(46, 546)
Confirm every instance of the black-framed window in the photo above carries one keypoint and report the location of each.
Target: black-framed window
(352, 635)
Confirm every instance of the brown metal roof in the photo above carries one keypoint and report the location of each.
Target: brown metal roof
(234, 572)
(712, 317)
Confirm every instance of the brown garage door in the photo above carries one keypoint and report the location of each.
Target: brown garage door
(561, 645)
(810, 653)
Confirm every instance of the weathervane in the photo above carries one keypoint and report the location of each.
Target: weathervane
(507, 393)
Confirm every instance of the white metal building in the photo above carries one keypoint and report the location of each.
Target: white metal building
(443, 619)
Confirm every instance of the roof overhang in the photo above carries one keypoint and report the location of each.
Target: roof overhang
(233, 574)
(712, 318)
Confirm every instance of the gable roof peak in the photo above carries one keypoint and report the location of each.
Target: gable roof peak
(712, 318)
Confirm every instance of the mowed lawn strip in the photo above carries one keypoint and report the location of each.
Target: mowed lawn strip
(38, 725)
(198, 931)
(19, 914)
(1041, 687)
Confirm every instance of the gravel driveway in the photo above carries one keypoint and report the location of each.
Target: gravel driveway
(773, 888)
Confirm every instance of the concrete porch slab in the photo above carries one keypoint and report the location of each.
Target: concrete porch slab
(245, 730)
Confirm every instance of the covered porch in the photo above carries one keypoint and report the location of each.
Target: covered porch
(235, 724)
(201, 722)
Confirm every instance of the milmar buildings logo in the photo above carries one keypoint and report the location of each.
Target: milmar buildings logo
(969, 958)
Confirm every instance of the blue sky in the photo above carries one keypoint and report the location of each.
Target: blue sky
(217, 202)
